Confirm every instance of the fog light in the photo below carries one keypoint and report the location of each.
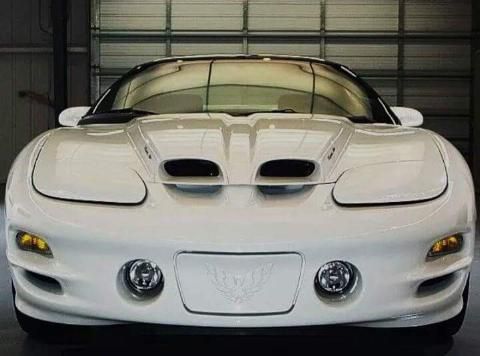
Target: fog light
(143, 277)
(33, 243)
(450, 244)
(335, 277)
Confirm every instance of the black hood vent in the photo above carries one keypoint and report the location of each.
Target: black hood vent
(191, 168)
(287, 168)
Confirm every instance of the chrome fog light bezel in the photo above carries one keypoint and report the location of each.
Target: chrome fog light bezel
(135, 288)
(346, 289)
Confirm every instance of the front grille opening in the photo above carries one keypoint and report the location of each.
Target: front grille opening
(191, 168)
(287, 168)
(46, 283)
(435, 285)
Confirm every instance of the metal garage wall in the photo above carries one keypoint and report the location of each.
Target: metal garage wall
(26, 65)
(414, 52)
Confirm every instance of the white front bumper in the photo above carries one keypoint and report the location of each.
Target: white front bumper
(387, 245)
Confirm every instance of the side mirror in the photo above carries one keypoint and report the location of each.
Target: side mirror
(408, 117)
(71, 116)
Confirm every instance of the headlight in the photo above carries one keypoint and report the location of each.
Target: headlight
(445, 246)
(33, 243)
(335, 278)
(391, 183)
(143, 277)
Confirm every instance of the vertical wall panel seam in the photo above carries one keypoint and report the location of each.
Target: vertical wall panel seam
(30, 60)
(245, 14)
(95, 26)
(30, 103)
(14, 108)
(471, 138)
(31, 113)
(323, 26)
(89, 51)
(474, 94)
(13, 71)
(401, 53)
(168, 28)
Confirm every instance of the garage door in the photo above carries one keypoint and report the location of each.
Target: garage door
(413, 52)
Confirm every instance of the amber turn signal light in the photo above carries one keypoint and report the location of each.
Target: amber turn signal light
(33, 243)
(445, 246)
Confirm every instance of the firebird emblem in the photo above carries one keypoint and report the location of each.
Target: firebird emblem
(239, 287)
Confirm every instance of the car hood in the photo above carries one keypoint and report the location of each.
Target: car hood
(120, 163)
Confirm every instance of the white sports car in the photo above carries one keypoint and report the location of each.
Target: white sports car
(240, 192)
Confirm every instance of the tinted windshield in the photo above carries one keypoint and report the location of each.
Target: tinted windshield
(241, 87)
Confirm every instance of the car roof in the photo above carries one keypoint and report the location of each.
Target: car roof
(146, 65)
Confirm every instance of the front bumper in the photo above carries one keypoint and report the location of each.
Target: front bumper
(387, 245)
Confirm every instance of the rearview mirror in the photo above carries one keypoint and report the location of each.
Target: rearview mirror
(71, 116)
(408, 117)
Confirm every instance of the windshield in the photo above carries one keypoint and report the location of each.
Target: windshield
(241, 87)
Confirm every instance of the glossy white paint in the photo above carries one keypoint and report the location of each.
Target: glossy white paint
(408, 117)
(62, 170)
(98, 162)
(91, 242)
(71, 116)
(393, 182)
(237, 256)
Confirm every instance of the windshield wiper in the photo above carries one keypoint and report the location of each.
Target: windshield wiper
(286, 111)
(117, 116)
(127, 111)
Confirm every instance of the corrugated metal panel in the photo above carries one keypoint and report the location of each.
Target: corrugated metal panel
(362, 15)
(438, 96)
(456, 128)
(126, 54)
(364, 56)
(132, 14)
(438, 55)
(298, 48)
(207, 14)
(198, 47)
(270, 15)
(440, 15)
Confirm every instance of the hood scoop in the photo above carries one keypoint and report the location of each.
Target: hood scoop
(191, 168)
(287, 168)
(258, 150)
(192, 175)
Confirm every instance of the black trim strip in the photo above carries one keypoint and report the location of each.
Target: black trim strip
(207, 97)
(313, 87)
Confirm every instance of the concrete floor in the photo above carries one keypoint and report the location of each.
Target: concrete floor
(342, 341)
